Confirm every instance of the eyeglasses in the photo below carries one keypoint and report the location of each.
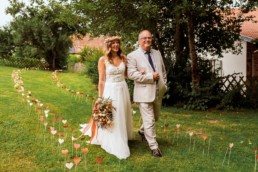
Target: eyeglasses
(145, 38)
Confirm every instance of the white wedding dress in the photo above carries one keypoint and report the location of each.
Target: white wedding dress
(114, 140)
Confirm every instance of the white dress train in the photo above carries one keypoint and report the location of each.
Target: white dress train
(114, 140)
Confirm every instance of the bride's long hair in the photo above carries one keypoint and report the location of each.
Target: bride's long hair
(109, 41)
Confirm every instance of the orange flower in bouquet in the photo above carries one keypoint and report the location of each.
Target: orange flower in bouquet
(102, 113)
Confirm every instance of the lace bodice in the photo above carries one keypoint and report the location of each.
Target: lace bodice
(114, 73)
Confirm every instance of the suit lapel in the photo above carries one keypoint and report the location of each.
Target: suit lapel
(155, 60)
(140, 52)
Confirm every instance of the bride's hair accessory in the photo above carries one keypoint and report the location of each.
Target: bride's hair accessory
(108, 42)
(112, 38)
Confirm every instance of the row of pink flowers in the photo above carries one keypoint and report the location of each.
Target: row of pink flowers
(44, 112)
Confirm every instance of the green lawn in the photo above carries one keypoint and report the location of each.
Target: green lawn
(27, 146)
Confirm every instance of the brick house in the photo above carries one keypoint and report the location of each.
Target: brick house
(78, 44)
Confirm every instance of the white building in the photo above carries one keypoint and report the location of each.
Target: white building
(246, 62)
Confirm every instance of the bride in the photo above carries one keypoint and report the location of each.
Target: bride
(112, 85)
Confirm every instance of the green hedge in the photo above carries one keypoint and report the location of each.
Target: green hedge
(91, 56)
(23, 62)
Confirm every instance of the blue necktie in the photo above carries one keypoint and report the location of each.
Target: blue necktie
(150, 60)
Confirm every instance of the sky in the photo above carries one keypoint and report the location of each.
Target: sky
(4, 18)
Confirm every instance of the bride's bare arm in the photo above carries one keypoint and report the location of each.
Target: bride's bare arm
(102, 75)
(125, 61)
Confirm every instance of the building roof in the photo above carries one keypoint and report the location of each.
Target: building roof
(250, 28)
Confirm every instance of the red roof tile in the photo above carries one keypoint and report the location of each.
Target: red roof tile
(250, 28)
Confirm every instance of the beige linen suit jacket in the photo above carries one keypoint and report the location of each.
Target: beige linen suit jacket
(144, 85)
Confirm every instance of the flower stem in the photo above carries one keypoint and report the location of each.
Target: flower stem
(176, 138)
(209, 145)
(85, 161)
(229, 155)
(203, 148)
(255, 160)
(193, 144)
(190, 144)
(225, 156)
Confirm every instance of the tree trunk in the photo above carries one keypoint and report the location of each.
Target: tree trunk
(178, 47)
(54, 59)
(161, 49)
(193, 56)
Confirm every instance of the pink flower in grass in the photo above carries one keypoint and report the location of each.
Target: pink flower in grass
(53, 132)
(59, 133)
(76, 160)
(41, 117)
(99, 160)
(76, 146)
(39, 110)
(204, 136)
(53, 120)
(64, 151)
(85, 150)
(45, 124)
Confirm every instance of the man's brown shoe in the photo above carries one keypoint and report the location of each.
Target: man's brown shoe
(142, 136)
(156, 153)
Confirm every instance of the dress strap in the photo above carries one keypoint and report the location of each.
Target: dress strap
(106, 62)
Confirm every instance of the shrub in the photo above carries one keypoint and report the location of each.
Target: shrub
(76, 63)
(24, 62)
(232, 99)
(180, 88)
(91, 57)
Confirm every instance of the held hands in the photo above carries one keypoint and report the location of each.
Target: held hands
(142, 71)
(155, 76)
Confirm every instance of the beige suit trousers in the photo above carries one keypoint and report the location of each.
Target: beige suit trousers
(150, 113)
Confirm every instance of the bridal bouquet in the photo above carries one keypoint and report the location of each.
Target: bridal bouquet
(102, 113)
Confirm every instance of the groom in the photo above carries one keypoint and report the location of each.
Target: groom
(146, 68)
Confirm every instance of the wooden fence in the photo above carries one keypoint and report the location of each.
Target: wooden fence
(246, 86)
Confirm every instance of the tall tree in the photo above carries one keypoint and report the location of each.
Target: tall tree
(43, 29)
(181, 28)
(7, 46)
